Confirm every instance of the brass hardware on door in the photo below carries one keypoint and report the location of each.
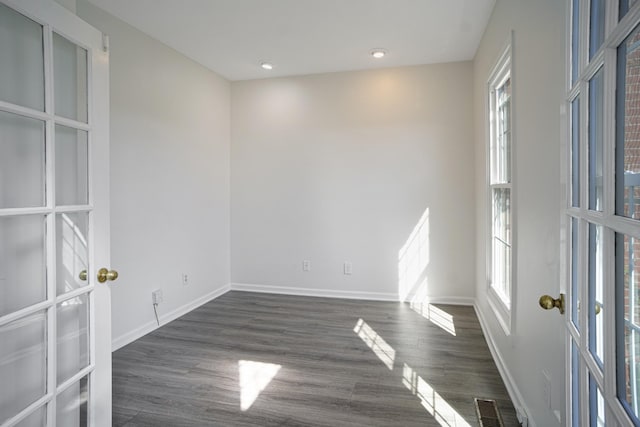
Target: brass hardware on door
(597, 309)
(83, 275)
(104, 275)
(547, 302)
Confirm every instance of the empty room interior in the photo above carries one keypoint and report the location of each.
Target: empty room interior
(319, 212)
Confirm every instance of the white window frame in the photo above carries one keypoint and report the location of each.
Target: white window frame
(502, 305)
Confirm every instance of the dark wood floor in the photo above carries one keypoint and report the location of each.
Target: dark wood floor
(248, 359)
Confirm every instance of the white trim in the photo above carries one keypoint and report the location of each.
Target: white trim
(150, 326)
(500, 310)
(503, 67)
(468, 301)
(326, 293)
(508, 380)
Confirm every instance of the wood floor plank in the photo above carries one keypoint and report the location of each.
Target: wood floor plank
(248, 359)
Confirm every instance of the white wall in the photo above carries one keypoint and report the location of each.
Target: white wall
(537, 341)
(169, 177)
(341, 167)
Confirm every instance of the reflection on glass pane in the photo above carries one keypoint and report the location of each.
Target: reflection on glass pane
(72, 405)
(501, 151)
(628, 128)
(36, 419)
(22, 260)
(70, 79)
(575, 386)
(596, 404)
(22, 173)
(575, 39)
(628, 327)
(72, 177)
(501, 277)
(575, 289)
(72, 251)
(73, 336)
(23, 364)
(625, 5)
(21, 60)
(596, 26)
(596, 290)
(575, 152)
(596, 137)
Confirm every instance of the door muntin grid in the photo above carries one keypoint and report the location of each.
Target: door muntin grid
(51, 226)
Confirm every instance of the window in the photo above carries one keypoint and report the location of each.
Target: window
(500, 188)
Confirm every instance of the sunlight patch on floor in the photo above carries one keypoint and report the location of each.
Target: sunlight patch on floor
(421, 305)
(436, 316)
(384, 351)
(254, 378)
(432, 401)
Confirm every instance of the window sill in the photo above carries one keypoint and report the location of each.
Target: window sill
(500, 309)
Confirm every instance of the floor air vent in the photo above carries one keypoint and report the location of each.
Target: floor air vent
(488, 414)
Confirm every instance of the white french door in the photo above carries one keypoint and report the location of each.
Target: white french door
(603, 213)
(55, 322)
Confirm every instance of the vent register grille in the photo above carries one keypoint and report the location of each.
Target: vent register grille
(488, 414)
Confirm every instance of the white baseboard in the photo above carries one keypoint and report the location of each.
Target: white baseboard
(143, 330)
(326, 293)
(507, 378)
(452, 300)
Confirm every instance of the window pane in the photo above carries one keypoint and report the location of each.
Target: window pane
(628, 321)
(596, 26)
(625, 5)
(596, 405)
(73, 336)
(72, 405)
(501, 158)
(22, 161)
(575, 152)
(596, 136)
(23, 364)
(72, 231)
(575, 289)
(575, 386)
(596, 277)
(70, 79)
(22, 262)
(72, 173)
(21, 60)
(628, 127)
(575, 39)
(501, 277)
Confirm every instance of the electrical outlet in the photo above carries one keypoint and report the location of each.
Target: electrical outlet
(156, 296)
(348, 267)
(306, 265)
(185, 279)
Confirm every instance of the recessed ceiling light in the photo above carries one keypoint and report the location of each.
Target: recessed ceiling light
(267, 65)
(378, 53)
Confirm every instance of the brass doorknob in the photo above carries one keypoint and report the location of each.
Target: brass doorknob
(104, 275)
(548, 302)
(83, 275)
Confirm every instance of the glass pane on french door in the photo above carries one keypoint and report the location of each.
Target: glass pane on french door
(46, 291)
(603, 209)
(628, 296)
